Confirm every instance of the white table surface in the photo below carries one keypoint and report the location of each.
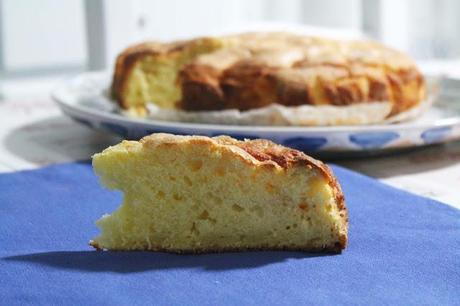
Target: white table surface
(34, 133)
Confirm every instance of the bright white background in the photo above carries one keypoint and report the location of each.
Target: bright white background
(53, 37)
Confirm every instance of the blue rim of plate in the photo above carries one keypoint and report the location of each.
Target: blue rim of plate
(309, 139)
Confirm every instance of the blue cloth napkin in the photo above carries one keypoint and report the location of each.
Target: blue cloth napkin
(403, 249)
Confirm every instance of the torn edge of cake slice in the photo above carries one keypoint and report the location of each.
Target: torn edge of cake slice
(195, 194)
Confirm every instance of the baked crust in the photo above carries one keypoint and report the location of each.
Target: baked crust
(336, 249)
(253, 70)
(262, 153)
(268, 152)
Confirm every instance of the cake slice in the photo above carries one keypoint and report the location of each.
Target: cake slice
(194, 194)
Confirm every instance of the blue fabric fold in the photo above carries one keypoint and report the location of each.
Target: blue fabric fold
(403, 249)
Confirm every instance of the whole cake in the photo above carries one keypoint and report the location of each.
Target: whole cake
(254, 70)
(192, 194)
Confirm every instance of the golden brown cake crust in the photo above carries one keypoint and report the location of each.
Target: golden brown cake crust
(267, 151)
(337, 249)
(126, 60)
(266, 154)
(257, 69)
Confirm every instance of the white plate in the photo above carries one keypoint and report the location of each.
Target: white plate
(84, 99)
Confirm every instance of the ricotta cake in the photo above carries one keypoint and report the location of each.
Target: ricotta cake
(254, 70)
(194, 194)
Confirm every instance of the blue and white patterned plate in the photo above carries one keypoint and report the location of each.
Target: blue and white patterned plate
(84, 100)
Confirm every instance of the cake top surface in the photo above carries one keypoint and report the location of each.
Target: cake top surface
(257, 150)
(283, 49)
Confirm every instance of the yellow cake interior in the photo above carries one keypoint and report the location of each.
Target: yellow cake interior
(197, 196)
(153, 77)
